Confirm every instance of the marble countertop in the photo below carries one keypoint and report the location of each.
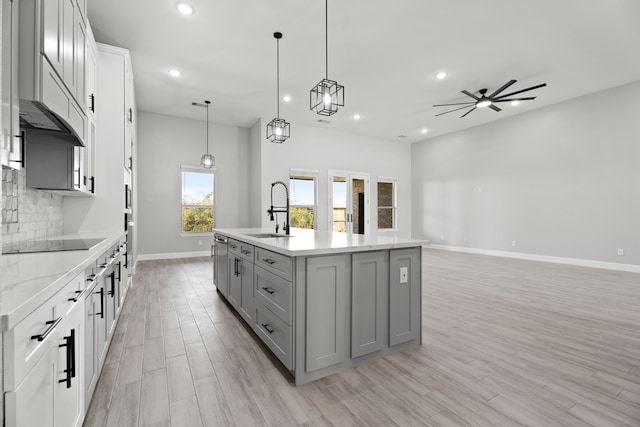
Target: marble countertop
(305, 242)
(28, 280)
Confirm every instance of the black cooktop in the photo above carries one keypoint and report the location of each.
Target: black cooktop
(29, 246)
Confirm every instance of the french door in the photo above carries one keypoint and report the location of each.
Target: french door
(349, 202)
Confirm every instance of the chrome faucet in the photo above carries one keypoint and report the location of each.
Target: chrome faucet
(276, 209)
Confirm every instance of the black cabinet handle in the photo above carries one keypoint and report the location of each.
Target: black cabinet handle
(70, 371)
(92, 98)
(93, 184)
(23, 147)
(52, 325)
(269, 261)
(130, 115)
(112, 277)
(269, 290)
(101, 313)
(79, 178)
(77, 297)
(266, 327)
(246, 252)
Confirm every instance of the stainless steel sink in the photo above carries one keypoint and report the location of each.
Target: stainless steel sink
(267, 235)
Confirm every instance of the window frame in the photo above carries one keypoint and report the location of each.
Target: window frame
(307, 173)
(394, 203)
(197, 169)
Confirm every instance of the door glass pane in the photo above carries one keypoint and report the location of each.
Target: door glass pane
(339, 187)
(357, 206)
(302, 191)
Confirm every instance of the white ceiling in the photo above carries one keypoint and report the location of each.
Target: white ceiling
(384, 53)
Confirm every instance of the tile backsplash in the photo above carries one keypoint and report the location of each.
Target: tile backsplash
(27, 213)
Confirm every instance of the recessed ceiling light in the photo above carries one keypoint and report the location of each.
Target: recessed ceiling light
(441, 75)
(515, 103)
(184, 8)
(356, 117)
(286, 98)
(424, 130)
(175, 73)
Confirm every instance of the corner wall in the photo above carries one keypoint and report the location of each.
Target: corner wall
(165, 143)
(560, 181)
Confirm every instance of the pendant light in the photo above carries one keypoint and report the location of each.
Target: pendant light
(327, 97)
(278, 129)
(207, 160)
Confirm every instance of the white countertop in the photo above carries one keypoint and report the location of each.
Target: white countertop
(28, 280)
(305, 242)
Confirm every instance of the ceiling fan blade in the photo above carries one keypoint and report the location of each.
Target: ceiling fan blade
(466, 92)
(456, 109)
(523, 90)
(467, 112)
(506, 85)
(529, 98)
(494, 108)
(457, 103)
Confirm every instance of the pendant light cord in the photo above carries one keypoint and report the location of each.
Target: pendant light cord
(207, 102)
(326, 38)
(278, 77)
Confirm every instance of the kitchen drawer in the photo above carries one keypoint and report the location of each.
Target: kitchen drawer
(241, 249)
(277, 335)
(21, 351)
(275, 263)
(275, 293)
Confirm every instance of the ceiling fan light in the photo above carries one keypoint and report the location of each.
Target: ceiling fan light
(484, 103)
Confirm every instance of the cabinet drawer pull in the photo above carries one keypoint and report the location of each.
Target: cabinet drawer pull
(101, 313)
(52, 325)
(266, 327)
(269, 261)
(269, 290)
(77, 297)
(246, 252)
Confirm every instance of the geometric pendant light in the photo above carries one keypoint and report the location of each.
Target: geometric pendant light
(278, 129)
(207, 160)
(327, 97)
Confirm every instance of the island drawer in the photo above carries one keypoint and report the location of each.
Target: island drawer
(277, 335)
(278, 264)
(241, 249)
(275, 293)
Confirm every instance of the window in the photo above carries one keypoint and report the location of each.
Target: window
(197, 200)
(303, 190)
(387, 203)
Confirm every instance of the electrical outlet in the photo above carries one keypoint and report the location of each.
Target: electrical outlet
(442, 237)
(620, 251)
(199, 242)
(513, 243)
(404, 274)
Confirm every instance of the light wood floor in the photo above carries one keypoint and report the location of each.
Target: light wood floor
(505, 343)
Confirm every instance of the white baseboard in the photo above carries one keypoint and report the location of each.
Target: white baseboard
(632, 268)
(149, 257)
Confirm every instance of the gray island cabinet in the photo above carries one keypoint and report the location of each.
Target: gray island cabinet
(323, 302)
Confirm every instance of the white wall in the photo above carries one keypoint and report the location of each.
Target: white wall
(165, 143)
(561, 181)
(324, 149)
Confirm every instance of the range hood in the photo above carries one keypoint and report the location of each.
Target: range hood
(45, 125)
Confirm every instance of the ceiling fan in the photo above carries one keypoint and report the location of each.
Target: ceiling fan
(483, 100)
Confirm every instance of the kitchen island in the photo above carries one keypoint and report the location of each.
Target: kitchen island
(322, 302)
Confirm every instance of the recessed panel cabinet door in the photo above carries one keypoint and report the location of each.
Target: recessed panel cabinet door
(326, 325)
(404, 295)
(235, 282)
(247, 304)
(369, 299)
(31, 404)
(69, 392)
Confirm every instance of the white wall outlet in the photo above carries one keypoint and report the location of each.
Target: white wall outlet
(620, 251)
(404, 274)
(199, 242)
(513, 243)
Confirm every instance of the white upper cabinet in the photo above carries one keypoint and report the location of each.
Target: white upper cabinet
(11, 141)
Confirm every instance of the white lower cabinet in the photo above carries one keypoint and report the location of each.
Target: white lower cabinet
(51, 393)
